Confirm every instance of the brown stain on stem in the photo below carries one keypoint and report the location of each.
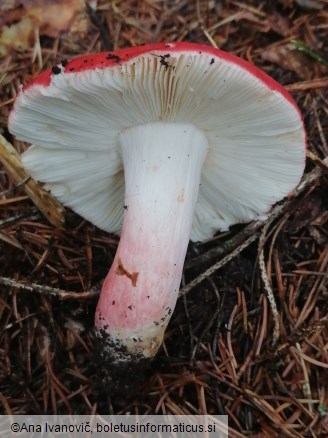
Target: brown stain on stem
(180, 197)
(133, 276)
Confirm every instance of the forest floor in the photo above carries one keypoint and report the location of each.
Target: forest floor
(219, 354)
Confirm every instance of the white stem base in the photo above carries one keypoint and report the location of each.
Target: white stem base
(162, 165)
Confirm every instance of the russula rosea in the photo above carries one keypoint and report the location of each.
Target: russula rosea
(196, 138)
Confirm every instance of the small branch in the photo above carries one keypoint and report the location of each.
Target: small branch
(308, 85)
(47, 290)
(12, 220)
(306, 385)
(254, 227)
(217, 266)
(267, 286)
(95, 19)
(321, 163)
(250, 233)
(225, 247)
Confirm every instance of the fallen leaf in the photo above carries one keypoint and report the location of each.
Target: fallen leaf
(18, 37)
(21, 21)
(53, 17)
(287, 57)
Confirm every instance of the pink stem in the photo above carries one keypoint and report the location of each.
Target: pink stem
(162, 165)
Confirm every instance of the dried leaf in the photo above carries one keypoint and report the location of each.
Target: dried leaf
(48, 17)
(53, 17)
(287, 57)
(18, 37)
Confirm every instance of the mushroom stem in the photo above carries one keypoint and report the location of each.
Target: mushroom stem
(162, 166)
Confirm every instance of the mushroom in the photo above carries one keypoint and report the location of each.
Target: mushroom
(176, 140)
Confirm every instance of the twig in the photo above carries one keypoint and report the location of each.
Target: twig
(254, 227)
(14, 189)
(267, 286)
(308, 85)
(250, 233)
(217, 266)
(95, 19)
(165, 16)
(47, 290)
(306, 386)
(210, 39)
(318, 161)
(12, 220)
